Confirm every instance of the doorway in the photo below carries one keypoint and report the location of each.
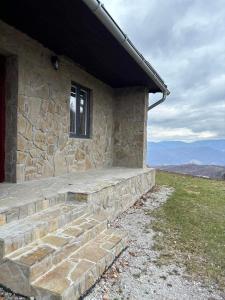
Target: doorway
(2, 118)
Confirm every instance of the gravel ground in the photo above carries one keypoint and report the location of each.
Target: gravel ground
(8, 295)
(135, 275)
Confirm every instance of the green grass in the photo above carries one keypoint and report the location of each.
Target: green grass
(193, 225)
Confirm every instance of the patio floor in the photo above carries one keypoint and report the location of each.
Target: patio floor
(55, 237)
(17, 195)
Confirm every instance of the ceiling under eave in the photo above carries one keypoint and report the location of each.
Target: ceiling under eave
(70, 28)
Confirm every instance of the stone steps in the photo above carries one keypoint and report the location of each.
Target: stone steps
(113, 190)
(50, 250)
(114, 195)
(12, 210)
(65, 263)
(54, 240)
(16, 235)
(78, 273)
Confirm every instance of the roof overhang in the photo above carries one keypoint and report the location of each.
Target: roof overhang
(85, 32)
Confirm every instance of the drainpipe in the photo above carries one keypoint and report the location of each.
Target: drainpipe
(102, 14)
(159, 101)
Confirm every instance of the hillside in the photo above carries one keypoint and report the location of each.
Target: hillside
(207, 152)
(210, 171)
(192, 225)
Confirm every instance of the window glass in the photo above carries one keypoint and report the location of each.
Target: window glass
(79, 112)
(83, 112)
(73, 104)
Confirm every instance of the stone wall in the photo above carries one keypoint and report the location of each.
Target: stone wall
(43, 144)
(38, 143)
(117, 198)
(130, 127)
(11, 118)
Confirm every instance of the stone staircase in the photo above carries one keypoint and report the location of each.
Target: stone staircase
(57, 251)
(54, 239)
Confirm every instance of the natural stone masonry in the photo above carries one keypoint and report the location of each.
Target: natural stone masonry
(21, 210)
(56, 244)
(38, 144)
(113, 189)
(54, 240)
(130, 127)
(70, 279)
(19, 234)
(40, 256)
(116, 197)
(11, 118)
(65, 263)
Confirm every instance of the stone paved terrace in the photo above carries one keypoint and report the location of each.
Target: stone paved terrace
(55, 241)
(96, 186)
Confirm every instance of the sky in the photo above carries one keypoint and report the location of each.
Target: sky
(185, 41)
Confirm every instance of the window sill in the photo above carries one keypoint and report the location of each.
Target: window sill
(74, 136)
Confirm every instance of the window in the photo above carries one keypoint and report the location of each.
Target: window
(79, 111)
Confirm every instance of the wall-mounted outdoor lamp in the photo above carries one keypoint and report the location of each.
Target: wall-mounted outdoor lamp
(55, 62)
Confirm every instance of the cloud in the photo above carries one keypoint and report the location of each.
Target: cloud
(185, 42)
(182, 134)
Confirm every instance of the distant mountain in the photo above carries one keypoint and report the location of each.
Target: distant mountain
(207, 152)
(216, 172)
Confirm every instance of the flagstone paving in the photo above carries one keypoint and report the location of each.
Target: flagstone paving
(63, 263)
(55, 241)
(103, 188)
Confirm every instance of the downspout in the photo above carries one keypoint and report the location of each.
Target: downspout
(158, 102)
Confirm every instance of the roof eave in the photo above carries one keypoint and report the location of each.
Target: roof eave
(102, 14)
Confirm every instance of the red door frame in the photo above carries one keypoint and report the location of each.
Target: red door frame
(2, 118)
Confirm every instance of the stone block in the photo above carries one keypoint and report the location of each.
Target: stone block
(12, 215)
(56, 240)
(81, 268)
(56, 281)
(2, 219)
(32, 257)
(20, 173)
(73, 231)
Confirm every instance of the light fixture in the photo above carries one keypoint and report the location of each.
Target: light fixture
(55, 62)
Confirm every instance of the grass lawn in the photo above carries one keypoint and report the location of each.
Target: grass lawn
(193, 225)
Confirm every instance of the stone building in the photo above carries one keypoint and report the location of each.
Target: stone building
(73, 98)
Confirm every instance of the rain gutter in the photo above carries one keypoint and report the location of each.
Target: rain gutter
(102, 14)
(158, 102)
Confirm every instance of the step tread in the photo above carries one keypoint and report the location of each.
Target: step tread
(59, 239)
(38, 257)
(83, 267)
(17, 207)
(18, 234)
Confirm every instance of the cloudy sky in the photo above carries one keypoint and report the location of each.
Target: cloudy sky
(185, 41)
